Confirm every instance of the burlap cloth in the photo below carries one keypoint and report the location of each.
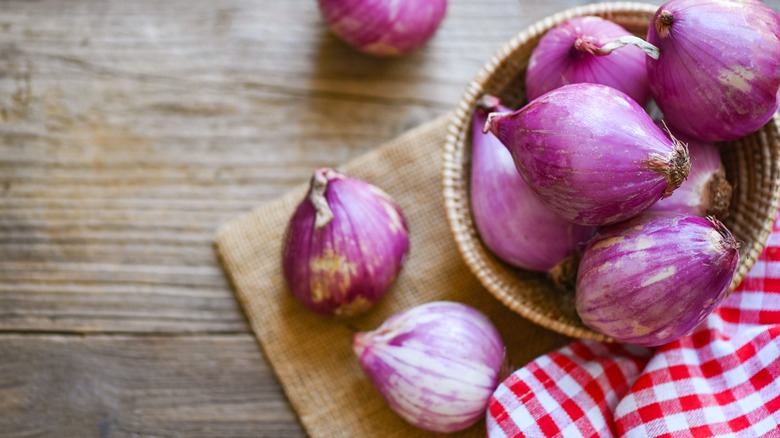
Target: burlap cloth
(311, 355)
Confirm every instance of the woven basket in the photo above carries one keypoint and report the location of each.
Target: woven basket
(752, 167)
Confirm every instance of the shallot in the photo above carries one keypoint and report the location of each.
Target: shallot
(384, 27)
(591, 153)
(344, 245)
(706, 192)
(718, 74)
(578, 50)
(651, 280)
(510, 219)
(435, 364)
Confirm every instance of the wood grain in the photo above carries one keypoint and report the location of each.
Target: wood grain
(119, 386)
(128, 133)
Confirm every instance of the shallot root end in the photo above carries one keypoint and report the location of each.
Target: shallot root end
(663, 24)
(564, 274)
(676, 168)
(718, 195)
(729, 241)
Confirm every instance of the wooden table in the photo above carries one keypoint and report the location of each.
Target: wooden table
(129, 131)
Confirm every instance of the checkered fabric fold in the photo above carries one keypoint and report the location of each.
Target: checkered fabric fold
(721, 380)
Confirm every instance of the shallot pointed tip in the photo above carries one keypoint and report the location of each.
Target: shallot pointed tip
(488, 124)
(359, 344)
(488, 103)
(491, 123)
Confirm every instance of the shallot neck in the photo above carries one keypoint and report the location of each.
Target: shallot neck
(318, 188)
(586, 44)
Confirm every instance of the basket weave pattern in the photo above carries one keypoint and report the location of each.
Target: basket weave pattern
(752, 167)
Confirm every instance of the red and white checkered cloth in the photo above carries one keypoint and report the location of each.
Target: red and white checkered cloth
(721, 380)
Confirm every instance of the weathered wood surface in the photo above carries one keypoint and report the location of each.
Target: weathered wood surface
(120, 386)
(129, 131)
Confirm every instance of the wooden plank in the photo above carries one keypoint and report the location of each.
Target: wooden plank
(118, 386)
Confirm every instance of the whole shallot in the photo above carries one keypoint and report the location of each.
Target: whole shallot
(718, 74)
(384, 27)
(582, 50)
(344, 245)
(651, 280)
(436, 364)
(591, 153)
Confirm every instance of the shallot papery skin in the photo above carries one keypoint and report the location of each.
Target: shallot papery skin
(706, 191)
(512, 222)
(570, 54)
(718, 74)
(591, 153)
(384, 27)
(435, 364)
(344, 246)
(651, 280)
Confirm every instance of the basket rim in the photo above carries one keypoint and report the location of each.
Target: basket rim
(452, 178)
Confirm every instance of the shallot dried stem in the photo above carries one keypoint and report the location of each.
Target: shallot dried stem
(729, 241)
(488, 103)
(319, 185)
(651, 50)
